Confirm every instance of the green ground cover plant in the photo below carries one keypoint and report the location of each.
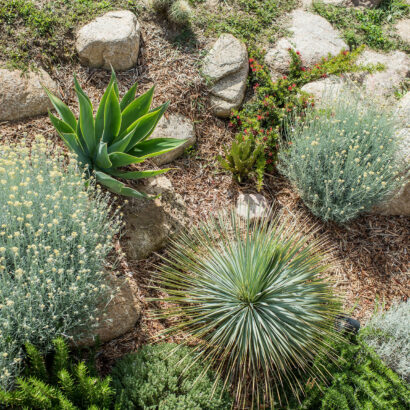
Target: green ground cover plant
(176, 11)
(388, 333)
(116, 137)
(43, 32)
(359, 380)
(55, 235)
(251, 298)
(262, 117)
(59, 383)
(342, 160)
(166, 376)
(370, 26)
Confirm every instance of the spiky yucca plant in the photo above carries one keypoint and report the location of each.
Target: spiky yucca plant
(250, 295)
(116, 137)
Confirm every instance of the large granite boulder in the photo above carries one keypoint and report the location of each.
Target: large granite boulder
(226, 66)
(174, 126)
(382, 84)
(150, 223)
(119, 316)
(21, 94)
(312, 36)
(403, 29)
(110, 40)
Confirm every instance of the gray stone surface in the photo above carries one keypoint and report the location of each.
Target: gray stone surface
(174, 126)
(226, 67)
(325, 89)
(119, 316)
(150, 223)
(252, 206)
(382, 84)
(112, 39)
(403, 29)
(21, 94)
(312, 36)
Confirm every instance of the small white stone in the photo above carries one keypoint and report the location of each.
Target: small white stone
(252, 206)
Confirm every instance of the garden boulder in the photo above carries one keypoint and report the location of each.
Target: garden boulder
(21, 94)
(403, 30)
(226, 66)
(110, 40)
(382, 84)
(119, 316)
(149, 223)
(252, 206)
(174, 126)
(312, 35)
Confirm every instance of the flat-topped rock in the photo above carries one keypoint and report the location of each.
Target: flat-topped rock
(312, 35)
(227, 67)
(382, 84)
(252, 206)
(325, 89)
(110, 40)
(21, 94)
(174, 126)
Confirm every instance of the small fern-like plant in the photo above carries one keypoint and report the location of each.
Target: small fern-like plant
(244, 158)
(251, 297)
(63, 385)
(116, 137)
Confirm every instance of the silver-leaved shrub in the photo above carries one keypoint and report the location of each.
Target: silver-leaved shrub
(341, 159)
(389, 335)
(55, 234)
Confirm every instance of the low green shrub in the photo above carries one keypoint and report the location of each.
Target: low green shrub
(116, 137)
(342, 160)
(166, 376)
(55, 234)
(251, 296)
(262, 117)
(388, 333)
(59, 385)
(370, 26)
(357, 380)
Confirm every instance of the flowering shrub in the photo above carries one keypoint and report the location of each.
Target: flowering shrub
(54, 236)
(341, 161)
(389, 335)
(263, 116)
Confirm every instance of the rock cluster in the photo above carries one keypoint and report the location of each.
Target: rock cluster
(226, 67)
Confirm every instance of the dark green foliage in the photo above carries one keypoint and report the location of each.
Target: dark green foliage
(261, 118)
(59, 385)
(166, 376)
(368, 26)
(359, 381)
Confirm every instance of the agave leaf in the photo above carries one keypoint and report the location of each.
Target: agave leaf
(117, 186)
(145, 125)
(99, 119)
(65, 113)
(121, 159)
(102, 159)
(86, 122)
(128, 97)
(136, 109)
(121, 145)
(80, 91)
(155, 146)
(137, 174)
(112, 117)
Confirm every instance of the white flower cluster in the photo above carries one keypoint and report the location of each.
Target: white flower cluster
(342, 160)
(55, 234)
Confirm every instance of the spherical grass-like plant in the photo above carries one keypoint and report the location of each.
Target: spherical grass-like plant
(251, 297)
(341, 159)
(55, 234)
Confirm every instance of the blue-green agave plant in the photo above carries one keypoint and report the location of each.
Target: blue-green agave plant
(116, 137)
